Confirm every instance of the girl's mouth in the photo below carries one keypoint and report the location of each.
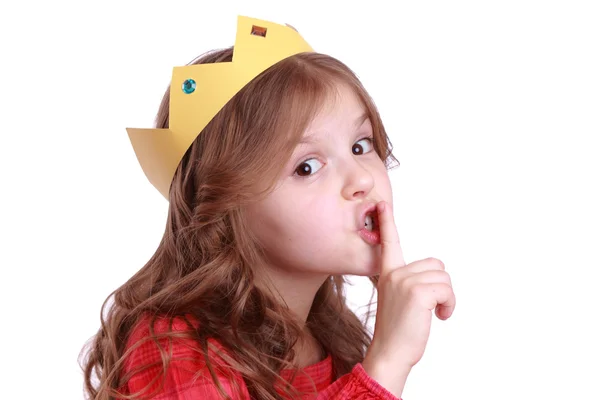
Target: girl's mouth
(371, 222)
(370, 232)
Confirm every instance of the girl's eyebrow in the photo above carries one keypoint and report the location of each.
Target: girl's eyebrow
(357, 124)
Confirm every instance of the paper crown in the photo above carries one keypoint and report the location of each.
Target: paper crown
(198, 92)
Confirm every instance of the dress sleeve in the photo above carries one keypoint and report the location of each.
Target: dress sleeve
(186, 378)
(356, 385)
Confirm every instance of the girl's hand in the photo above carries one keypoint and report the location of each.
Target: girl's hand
(406, 296)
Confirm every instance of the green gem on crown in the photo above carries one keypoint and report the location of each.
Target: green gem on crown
(189, 85)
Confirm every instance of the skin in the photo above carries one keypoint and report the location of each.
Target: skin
(309, 224)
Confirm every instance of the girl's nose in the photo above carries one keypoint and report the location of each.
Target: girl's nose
(358, 181)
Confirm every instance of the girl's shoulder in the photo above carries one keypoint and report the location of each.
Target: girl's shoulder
(155, 339)
(149, 325)
(154, 333)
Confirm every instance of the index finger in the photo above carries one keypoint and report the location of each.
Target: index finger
(391, 252)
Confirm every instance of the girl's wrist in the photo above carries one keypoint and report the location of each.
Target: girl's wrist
(391, 376)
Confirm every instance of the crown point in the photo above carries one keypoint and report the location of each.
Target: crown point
(189, 85)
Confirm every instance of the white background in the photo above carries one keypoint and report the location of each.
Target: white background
(494, 112)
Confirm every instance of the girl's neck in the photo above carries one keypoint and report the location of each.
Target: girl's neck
(308, 351)
(296, 290)
(298, 293)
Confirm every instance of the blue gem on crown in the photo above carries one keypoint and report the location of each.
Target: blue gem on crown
(189, 85)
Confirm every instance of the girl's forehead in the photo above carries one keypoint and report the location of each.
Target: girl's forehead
(341, 96)
(349, 119)
(341, 110)
(340, 99)
(348, 113)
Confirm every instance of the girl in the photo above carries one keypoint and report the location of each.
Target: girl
(283, 193)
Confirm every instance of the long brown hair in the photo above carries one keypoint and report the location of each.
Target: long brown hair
(207, 252)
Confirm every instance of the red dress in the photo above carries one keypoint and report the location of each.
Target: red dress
(186, 380)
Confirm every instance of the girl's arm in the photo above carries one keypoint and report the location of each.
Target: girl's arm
(185, 380)
(187, 376)
(356, 385)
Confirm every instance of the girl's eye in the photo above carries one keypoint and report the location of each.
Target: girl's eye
(308, 167)
(359, 149)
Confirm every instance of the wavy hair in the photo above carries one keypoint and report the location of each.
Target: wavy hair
(208, 263)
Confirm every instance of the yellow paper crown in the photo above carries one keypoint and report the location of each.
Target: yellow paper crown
(198, 92)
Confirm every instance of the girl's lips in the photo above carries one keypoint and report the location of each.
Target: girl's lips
(371, 237)
(368, 209)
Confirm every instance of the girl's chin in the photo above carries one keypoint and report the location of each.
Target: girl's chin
(368, 270)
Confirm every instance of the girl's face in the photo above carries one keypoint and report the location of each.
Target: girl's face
(310, 222)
